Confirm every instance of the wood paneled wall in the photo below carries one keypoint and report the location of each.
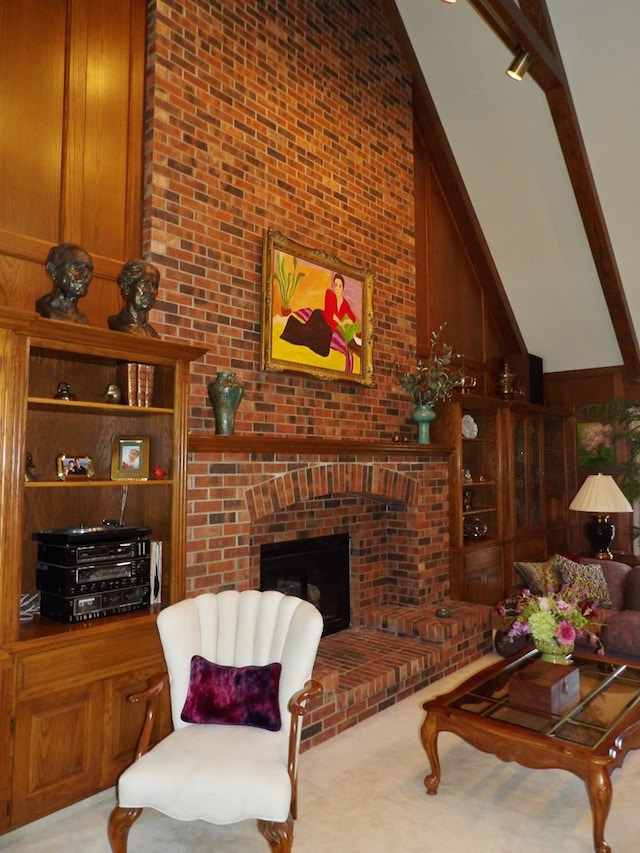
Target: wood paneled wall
(71, 141)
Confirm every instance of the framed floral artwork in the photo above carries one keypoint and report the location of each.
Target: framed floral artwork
(317, 314)
(595, 448)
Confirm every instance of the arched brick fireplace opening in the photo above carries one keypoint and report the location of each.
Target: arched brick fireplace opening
(394, 509)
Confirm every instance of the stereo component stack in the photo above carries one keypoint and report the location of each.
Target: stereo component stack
(88, 572)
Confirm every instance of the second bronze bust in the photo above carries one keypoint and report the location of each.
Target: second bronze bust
(139, 283)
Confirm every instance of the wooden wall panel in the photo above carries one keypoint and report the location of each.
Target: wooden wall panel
(449, 288)
(32, 73)
(73, 75)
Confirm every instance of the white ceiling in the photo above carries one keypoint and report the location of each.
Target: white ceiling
(506, 148)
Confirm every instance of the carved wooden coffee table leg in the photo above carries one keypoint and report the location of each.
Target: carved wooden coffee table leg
(429, 737)
(599, 789)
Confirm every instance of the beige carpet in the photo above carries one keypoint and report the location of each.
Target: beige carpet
(363, 792)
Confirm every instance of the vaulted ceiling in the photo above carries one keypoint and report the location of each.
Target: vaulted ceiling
(550, 164)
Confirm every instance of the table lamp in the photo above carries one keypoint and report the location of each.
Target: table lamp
(600, 495)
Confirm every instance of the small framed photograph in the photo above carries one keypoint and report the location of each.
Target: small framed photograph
(73, 466)
(130, 457)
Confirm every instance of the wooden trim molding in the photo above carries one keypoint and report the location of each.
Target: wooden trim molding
(201, 442)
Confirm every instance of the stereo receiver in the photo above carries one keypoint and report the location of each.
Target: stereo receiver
(81, 608)
(67, 580)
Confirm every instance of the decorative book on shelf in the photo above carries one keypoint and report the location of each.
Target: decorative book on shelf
(136, 383)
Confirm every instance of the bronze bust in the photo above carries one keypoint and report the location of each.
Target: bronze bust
(138, 282)
(70, 268)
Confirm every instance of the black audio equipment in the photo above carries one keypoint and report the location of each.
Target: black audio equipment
(81, 608)
(98, 552)
(87, 572)
(83, 579)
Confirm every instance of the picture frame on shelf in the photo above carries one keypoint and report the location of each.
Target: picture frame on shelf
(317, 313)
(74, 465)
(130, 457)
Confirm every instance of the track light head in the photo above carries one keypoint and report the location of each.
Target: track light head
(520, 64)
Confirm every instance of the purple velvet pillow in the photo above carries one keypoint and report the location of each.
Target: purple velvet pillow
(233, 696)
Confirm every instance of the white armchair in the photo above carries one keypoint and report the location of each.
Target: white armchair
(224, 773)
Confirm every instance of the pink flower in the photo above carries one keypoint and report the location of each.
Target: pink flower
(565, 633)
(595, 436)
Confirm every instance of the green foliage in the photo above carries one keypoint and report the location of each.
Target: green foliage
(433, 379)
(287, 281)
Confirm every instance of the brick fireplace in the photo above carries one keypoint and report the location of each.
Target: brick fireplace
(392, 500)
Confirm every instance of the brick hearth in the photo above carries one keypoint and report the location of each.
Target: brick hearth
(393, 502)
(401, 650)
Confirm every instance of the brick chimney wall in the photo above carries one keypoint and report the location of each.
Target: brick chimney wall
(294, 115)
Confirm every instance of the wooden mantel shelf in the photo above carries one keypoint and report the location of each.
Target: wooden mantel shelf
(204, 442)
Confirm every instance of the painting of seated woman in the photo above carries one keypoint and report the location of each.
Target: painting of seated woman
(317, 318)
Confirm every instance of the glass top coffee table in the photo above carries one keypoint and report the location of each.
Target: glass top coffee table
(585, 723)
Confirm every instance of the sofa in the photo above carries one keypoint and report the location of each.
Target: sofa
(619, 613)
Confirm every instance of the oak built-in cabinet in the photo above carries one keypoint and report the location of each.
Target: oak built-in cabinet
(70, 731)
(503, 504)
(473, 426)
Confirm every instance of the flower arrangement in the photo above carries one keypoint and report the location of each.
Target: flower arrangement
(433, 379)
(561, 617)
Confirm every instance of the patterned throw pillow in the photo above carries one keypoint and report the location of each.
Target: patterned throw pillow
(540, 577)
(588, 577)
(233, 696)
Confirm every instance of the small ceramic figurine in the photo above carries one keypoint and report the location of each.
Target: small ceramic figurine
(71, 269)
(63, 392)
(29, 476)
(138, 282)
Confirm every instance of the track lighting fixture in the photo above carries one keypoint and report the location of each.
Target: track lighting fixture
(520, 64)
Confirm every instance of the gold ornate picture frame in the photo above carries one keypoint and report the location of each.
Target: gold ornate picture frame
(317, 313)
(130, 457)
(68, 466)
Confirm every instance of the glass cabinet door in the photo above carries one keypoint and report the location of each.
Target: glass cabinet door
(527, 472)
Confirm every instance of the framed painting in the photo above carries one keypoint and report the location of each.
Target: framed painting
(130, 457)
(317, 314)
(595, 449)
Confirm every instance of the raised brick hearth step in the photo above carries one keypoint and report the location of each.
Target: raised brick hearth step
(399, 651)
(465, 620)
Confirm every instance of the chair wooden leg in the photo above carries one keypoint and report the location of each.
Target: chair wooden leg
(279, 835)
(120, 822)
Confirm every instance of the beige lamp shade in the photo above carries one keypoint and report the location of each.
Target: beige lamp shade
(600, 495)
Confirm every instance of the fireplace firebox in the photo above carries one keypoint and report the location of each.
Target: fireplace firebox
(315, 569)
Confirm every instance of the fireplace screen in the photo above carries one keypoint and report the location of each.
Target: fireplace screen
(315, 569)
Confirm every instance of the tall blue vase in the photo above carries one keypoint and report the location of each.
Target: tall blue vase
(423, 415)
(225, 394)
